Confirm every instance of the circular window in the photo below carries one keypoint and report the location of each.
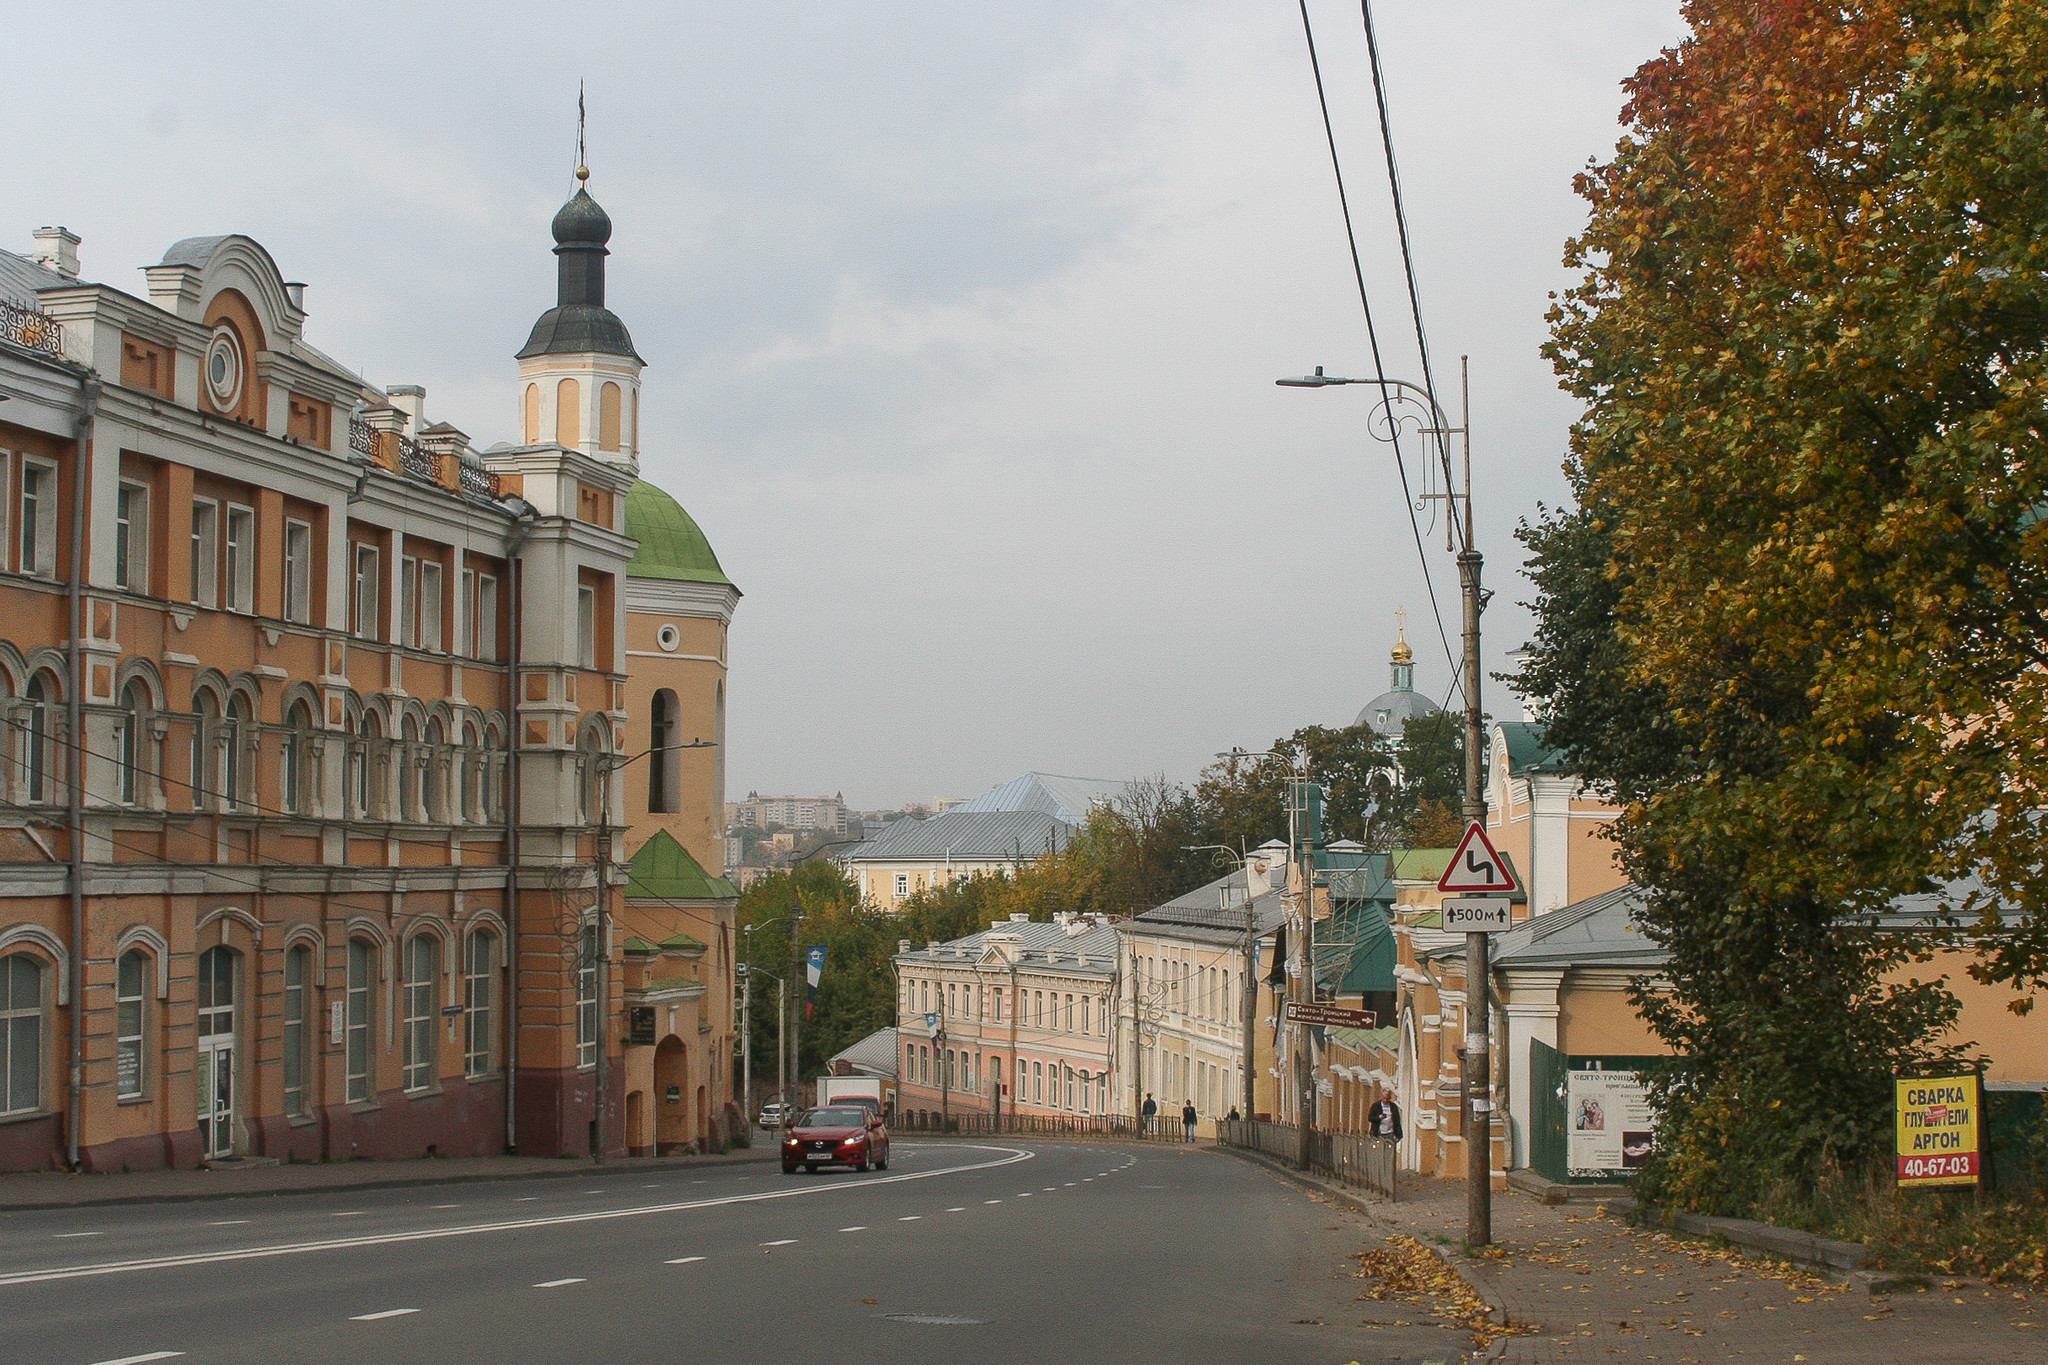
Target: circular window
(224, 369)
(669, 638)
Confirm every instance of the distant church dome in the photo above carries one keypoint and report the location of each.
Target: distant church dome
(582, 221)
(1389, 713)
(671, 544)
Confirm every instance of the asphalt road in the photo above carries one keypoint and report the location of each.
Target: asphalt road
(993, 1252)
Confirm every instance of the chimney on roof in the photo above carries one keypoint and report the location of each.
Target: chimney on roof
(57, 248)
(1016, 918)
(902, 945)
(931, 945)
(410, 399)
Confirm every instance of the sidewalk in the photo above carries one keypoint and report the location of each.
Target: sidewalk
(1600, 1290)
(44, 1190)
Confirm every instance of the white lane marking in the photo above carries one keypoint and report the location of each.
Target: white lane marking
(959, 1210)
(228, 1223)
(557, 1284)
(683, 1260)
(351, 1213)
(447, 1206)
(991, 1201)
(597, 1191)
(650, 1187)
(1025, 1195)
(911, 1218)
(73, 1272)
(1070, 1184)
(858, 1227)
(527, 1199)
(1087, 1180)
(1050, 1189)
(787, 1241)
(379, 1317)
(60, 1236)
(138, 1360)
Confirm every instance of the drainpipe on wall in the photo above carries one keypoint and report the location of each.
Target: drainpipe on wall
(74, 720)
(515, 588)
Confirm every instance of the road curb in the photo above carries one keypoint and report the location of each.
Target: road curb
(577, 1167)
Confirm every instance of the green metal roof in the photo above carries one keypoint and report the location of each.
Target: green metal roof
(663, 870)
(1526, 750)
(1420, 864)
(671, 545)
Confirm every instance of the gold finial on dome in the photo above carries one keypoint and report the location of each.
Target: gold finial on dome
(583, 174)
(1402, 654)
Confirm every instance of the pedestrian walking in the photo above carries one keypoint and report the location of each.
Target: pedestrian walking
(1150, 1112)
(1187, 1118)
(1233, 1115)
(1383, 1119)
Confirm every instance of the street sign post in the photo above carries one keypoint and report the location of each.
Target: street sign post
(1475, 914)
(1476, 868)
(1941, 1131)
(1330, 1016)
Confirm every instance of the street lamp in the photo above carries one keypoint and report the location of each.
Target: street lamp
(1478, 1097)
(602, 950)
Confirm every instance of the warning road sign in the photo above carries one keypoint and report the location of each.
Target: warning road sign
(1476, 867)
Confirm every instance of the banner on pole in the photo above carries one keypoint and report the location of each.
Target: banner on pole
(814, 967)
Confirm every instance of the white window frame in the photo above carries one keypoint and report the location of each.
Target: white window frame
(479, 991)
(131, 1024)
(465, 613)
(359, 1062)
(588, 952)
(205, 552)
(298, 961)
(586, 626)
(486, 628)
(422, 1013)
(408, 601)
(429, 614)
(131, 536)
(38, 530)
(238, 559)
(365, 568)
(36, 1014)
(902, 885)
(298, 571)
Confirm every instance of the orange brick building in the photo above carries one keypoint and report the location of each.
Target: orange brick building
(314, 721)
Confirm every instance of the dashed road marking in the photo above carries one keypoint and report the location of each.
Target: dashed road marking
(991, 1201)
(347, 1213)
(786, 1241)
(379, 1317)
(447, 1206)
(858, 1227)
(61, 1235)
(228, 1223)
(557, 1284)
(959, 1210)
(910, 1218)
(683, 1260)
(138, 1360)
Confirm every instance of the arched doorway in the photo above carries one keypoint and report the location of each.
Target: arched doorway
(673, 1124)
(216, 1053)
(1410, 1090)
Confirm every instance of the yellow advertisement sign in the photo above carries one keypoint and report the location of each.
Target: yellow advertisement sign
(1940, 1130)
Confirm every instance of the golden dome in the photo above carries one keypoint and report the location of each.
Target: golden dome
(1403, 654)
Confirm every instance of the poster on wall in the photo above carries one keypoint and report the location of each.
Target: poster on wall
(1608, 1124)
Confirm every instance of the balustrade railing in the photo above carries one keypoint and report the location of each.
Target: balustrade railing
(31, 328)
(419, 464)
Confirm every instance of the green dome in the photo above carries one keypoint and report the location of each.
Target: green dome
(671, 546)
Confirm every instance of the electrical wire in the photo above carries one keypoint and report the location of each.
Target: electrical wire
(1372, 337)
(1379, 91)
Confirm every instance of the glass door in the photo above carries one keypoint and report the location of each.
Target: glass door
(216, 1070)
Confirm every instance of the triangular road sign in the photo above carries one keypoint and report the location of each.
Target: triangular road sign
(1476, 867)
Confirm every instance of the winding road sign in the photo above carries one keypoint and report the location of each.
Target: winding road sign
(1476, 866)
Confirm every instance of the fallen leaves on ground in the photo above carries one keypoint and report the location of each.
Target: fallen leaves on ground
(1405, 1269)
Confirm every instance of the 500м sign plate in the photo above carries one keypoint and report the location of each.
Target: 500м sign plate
(1475, 914)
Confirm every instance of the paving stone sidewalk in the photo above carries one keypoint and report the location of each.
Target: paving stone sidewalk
(40, 1190)
(1601, 1290)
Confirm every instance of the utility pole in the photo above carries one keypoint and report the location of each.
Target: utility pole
(797, 982)
(601, 950)
(1478, 1088)
(1301, 969)
(747, 1035)
(1248, 997)
(781, 1055)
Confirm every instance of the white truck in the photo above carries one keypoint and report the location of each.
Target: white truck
(878, 1093)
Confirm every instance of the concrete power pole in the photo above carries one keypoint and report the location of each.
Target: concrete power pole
(1478, 1097)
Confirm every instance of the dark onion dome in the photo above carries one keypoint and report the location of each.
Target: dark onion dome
(579, 323)
(581, 221)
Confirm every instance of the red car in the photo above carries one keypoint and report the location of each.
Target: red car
(842, 1135)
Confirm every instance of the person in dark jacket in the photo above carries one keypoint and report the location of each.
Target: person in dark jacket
(1383, 1119)
(1150, 1112)
(1187, 1118)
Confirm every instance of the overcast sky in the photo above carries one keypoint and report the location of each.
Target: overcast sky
(961, 320)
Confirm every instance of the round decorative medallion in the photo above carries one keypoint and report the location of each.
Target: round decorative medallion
(669, 638)
(224, 369)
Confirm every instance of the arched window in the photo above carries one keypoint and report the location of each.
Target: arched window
(470, 764)
(364, 756)
(608, 416)
(432, 794)
(21, 1034)
(1037, 1083)
(232, 771)
(408, 771)
(533, 414)
(298, 1030)
(492, 768)
(298, 757)
(362, 984)
(479, 990)
(35, 740)
(662, 763)
(590, 764)
(130, 746)
(587, 967)
(421, 952)
(568, 420)
(131, 1010)
(205, 725)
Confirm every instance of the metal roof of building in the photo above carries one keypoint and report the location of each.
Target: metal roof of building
(672, 546)
(21, 277)
(874, 1055)
(1527, 751)
(1064, 798)
(1039, 943)
(967, 835)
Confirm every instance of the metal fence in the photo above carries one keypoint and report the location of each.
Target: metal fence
(1349, 1158)
(983, 1124)
(31, 328)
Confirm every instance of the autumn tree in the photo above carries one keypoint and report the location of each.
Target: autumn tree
(1799, 618)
